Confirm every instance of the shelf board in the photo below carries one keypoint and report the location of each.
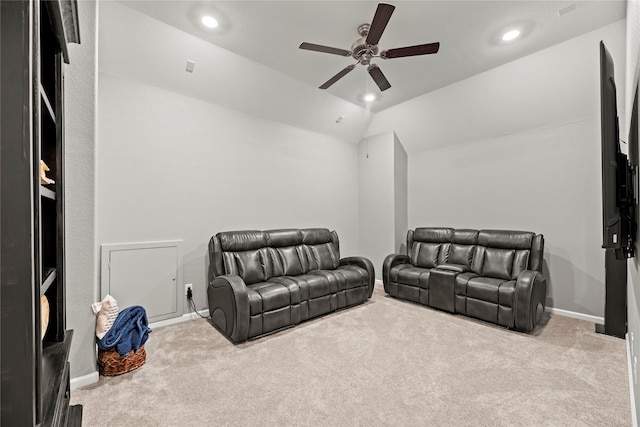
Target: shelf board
(45, 192)
(54, 376)
(47, 103)
(49, 275)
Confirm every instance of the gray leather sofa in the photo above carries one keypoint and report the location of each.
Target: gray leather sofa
(493, 275)
(264, 281)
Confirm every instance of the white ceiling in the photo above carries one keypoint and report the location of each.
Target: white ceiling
(269, 32)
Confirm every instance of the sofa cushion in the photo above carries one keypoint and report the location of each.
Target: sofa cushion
(287, 261)
(314, 236)
(498, 263)
(344, 277)
(484, 288)
(460, 254)
(247, 264)
(236, 241)
(311, 286)
(432, 235)
(323, 257)
(267, 296)
(426, 255)
(407, 274)
(505, 239)
(465, 237)
(284, 237)
(291, 282)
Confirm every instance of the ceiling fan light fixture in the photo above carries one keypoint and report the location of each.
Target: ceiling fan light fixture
(366, 48)
(369, 97)
(209, 21)
(511, 35)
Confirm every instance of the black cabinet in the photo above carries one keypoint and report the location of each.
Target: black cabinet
(35, 343)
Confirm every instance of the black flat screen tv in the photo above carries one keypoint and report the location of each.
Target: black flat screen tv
(618, 218)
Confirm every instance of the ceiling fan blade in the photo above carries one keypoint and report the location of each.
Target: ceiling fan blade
(376, 74)
(324, 49)
(379, 23)
(421, 49)
(338, 76)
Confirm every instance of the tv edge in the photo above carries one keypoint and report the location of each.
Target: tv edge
(618, 202)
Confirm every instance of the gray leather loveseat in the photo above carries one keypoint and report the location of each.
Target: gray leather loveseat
(263, 281)
(493, 275)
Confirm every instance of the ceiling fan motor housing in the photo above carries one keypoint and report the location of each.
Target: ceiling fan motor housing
(360, 50)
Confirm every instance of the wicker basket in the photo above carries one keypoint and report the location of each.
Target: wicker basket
(111, 363)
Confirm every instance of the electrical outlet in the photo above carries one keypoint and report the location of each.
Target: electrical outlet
(187, 287)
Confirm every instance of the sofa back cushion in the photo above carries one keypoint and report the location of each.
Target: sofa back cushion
(428, 246)
(426, 255)
(498, 263)
(493, 253)
(235, 241)
(462, 247)
(257, 256)
(503, 254)
(243, 254)
(322, 248)
(461, 254)
(250, 265)
(282, 238)
(285, 252)
(288, 261)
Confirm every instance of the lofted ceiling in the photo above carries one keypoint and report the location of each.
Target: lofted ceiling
(269, 33)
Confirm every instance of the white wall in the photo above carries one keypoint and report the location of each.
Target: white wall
(175, 167)
(375, 198)
(382, 197)
(400, 196)
(80, 130)
(518, 147)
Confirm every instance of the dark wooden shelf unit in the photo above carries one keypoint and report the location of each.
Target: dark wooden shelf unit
(35, 361)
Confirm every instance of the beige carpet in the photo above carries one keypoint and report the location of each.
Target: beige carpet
(387, 362)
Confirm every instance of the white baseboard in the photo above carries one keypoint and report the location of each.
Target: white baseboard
(378, 283)
(84, 380)
(175, 320)
(575, 315)
(632, 394)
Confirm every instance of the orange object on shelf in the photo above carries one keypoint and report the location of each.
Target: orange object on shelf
(43, 174)
(44, 315)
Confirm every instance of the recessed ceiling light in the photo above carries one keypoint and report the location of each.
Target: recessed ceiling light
(510, 35)
(369, 97)
(209, 21)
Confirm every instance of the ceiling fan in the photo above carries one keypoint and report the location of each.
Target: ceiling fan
(366, 48)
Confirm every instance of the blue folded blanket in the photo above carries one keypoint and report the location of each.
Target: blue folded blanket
(129, 331)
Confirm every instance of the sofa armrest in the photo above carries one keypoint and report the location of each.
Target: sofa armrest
(363, 263)
(229, 306)
(389, 262)
(530, 298)
(458, 268)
